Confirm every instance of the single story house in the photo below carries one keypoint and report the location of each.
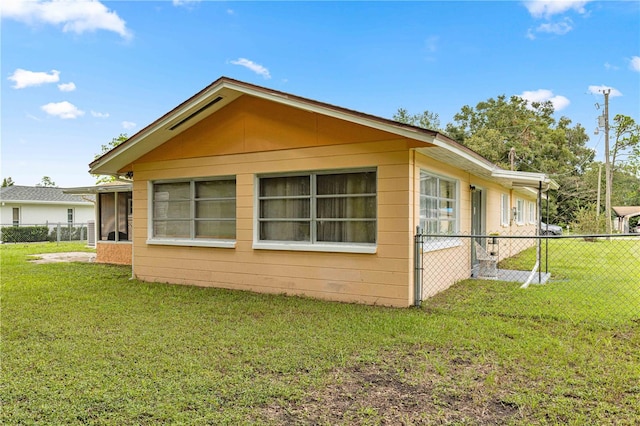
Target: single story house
(245, 187)
(40, 205)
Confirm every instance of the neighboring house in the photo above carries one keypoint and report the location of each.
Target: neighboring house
(624, 213)
(40, 205)
(249, 188)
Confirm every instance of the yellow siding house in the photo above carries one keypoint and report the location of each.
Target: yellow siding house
(244, 187)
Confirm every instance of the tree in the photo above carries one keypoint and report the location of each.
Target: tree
(426, 120)
(122, 137)
(518, 135)
(47, 182)
(626, 134)
(7, 182)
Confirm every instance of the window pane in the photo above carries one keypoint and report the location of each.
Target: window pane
(347, 231)
(171, 191)
(223, 209)
(447, 209)
(351, 207)
(288, 186)
(285, 231)
(176, 229)
(285, 209)
(347, 183)
(216, 189)
(428, 185)
(171, 210)
(428, 207)
(222, 229)
(447, 189)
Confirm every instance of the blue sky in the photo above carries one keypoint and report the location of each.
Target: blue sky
(76, 74)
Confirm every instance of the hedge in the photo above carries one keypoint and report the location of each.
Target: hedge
(24, 234)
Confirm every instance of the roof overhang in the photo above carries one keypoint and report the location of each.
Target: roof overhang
(98, 189)
(515, 179)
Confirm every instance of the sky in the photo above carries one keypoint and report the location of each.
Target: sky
(75, 74)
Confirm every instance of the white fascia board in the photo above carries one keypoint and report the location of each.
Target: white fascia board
(125, 187)
(50, 203)
(531, 179)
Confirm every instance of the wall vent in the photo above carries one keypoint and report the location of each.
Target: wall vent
(180, 123)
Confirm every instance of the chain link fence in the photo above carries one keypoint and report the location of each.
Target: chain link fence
(54, 232)
(575, 277)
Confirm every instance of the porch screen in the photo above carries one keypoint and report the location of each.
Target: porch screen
(115, 216)
(319, 207)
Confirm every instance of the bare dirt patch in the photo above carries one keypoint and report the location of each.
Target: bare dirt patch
(75, 256)
(377, 394)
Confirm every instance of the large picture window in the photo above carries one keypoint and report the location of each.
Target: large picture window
(318, 207)
(194, 209)
(438, 205)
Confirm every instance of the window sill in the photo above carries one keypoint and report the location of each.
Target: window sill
(192, 243)
(441, 244)
(330, 248)
(114, 242)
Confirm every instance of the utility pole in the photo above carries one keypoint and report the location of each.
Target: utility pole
(599, 186)
(607, 164)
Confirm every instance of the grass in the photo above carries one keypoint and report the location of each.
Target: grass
(84, 344)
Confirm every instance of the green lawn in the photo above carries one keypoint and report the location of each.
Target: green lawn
(84, 344)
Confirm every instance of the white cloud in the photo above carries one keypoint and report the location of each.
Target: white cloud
(184, 2)
(548, 8)
(543, 95)
(64, 110)
(99, 114)
(559, 28)
(74, 15)
(128, 125)
(24, 78)
(634, 64)
(431, 44)
(609, 66)
(257, 68)
(67, 87)
(597, 90)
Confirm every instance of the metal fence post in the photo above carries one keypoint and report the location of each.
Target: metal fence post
(417, 278)
(58, 233)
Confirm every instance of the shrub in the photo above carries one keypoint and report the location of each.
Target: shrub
(588, 222)
(24, 234)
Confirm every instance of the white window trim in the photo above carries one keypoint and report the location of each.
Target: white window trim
(319, 247)
(325, 247)
(442, 243)
(505, 208)
(520, 219)
(184, 242)
(452, 240)
(531, 213)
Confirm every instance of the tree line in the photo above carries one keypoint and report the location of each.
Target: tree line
(519, 135)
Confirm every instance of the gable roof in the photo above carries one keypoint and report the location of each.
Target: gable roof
(40, 195)
(225, 90)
